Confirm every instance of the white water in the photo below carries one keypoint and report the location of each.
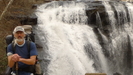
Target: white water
(67, 35)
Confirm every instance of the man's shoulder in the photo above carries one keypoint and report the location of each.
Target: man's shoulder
(31, 43)
(10, 45)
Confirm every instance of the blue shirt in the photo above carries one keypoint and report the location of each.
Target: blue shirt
(24, 53)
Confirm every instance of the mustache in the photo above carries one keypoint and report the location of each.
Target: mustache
(19, 37)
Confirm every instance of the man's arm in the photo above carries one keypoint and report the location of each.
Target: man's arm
(12, 59)
(10, 62)
(30, 61)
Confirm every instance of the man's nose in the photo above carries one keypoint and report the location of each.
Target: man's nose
(19, 33)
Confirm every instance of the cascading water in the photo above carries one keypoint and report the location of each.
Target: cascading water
(85, 37)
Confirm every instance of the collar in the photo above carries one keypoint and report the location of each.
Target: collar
(21, 45)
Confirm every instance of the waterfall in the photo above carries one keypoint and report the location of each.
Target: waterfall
(81, 37)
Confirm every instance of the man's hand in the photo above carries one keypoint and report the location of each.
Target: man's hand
(15, 57)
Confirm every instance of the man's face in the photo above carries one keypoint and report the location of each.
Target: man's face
(19, 35)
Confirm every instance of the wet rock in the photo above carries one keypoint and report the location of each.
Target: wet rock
(29, 20)
(116, 73)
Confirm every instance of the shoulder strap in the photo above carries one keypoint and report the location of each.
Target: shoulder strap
(28, 47)
(13, 47)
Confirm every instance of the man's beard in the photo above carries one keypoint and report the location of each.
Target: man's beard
(20, 40)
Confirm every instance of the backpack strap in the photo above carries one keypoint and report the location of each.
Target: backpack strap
(15, 65)
(28, 47)
(13, 47)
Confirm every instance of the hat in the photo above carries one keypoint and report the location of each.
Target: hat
(18, 28)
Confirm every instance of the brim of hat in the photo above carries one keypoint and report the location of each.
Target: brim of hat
(19, 30)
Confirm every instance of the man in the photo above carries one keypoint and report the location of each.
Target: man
(21, 56)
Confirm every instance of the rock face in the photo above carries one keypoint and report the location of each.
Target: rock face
(29, 20)
(26, 16)
(116, 73)
(97, 8)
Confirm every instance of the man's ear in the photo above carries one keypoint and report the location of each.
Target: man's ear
(14, 35)
(24, 35)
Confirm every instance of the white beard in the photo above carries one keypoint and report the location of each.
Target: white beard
(19, 40)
